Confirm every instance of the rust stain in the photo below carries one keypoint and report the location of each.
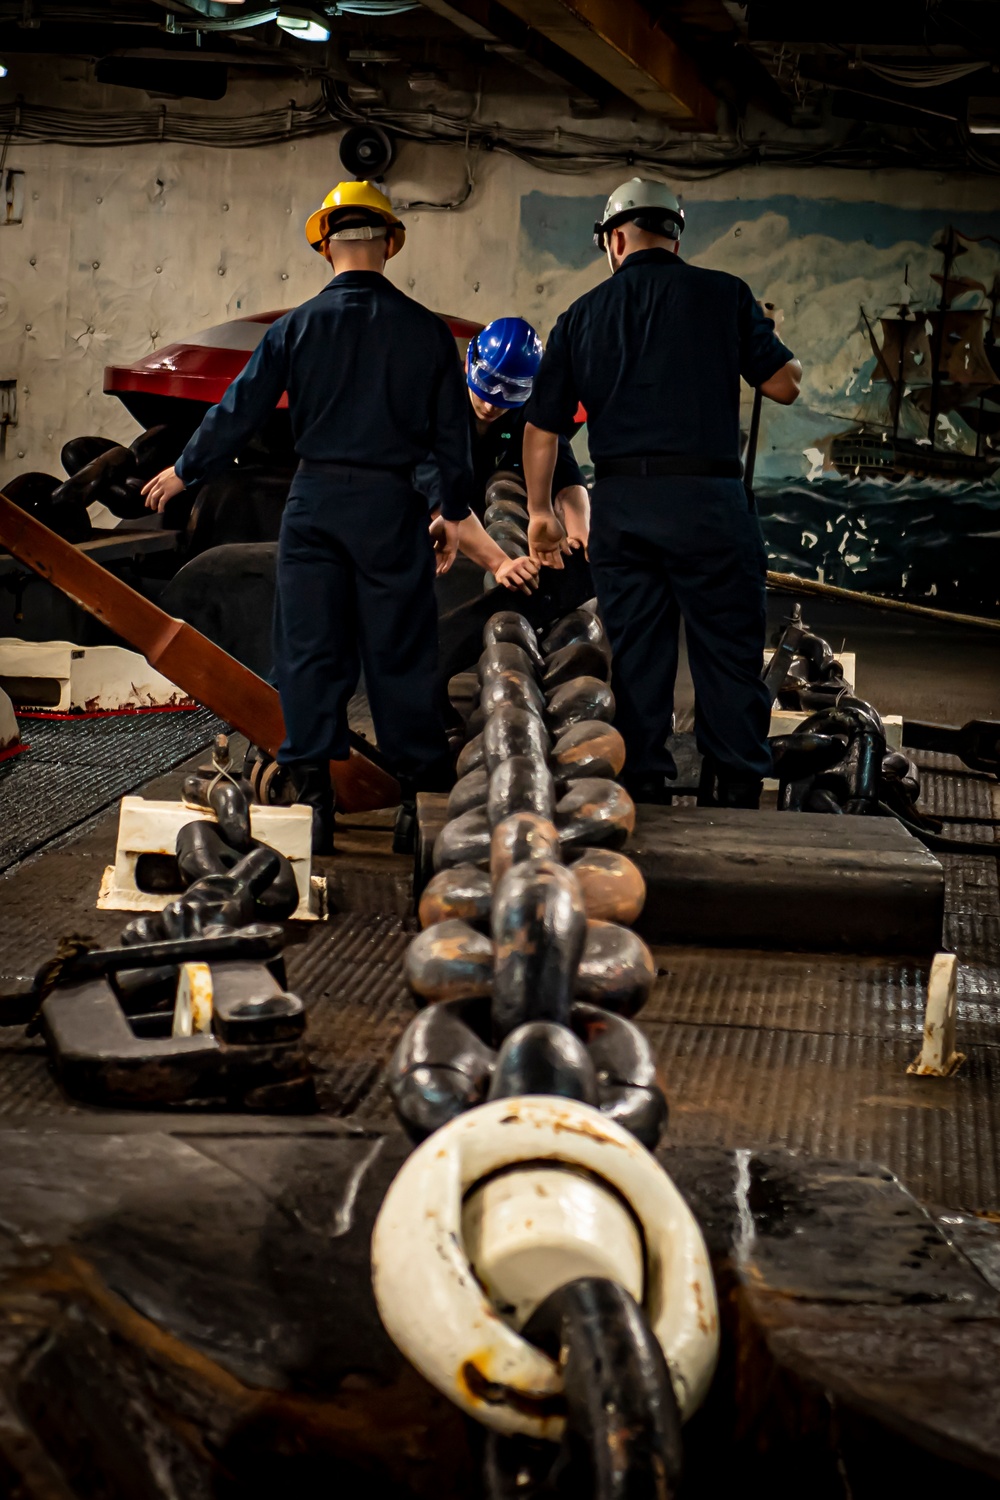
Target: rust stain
(479, 1388)
(563, 1127)
(347, 1417)
(136, 700)
(703, 1323)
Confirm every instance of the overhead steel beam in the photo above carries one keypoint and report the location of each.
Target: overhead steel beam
(619, 42)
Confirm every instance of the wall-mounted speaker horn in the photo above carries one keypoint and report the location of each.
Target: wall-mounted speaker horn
(367, 151)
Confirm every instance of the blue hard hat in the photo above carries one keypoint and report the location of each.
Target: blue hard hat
(502, 362)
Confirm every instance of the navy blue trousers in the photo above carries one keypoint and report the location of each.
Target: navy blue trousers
(355, 587)
(665, 548)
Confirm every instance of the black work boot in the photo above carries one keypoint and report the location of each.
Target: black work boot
(404, 832)
(649, 787)
(725, 786)
(309, 782)
(437, 777)
(739, 789)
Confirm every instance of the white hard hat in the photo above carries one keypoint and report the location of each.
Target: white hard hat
(651, 205)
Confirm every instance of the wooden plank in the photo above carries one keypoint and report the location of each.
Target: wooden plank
(619, 42)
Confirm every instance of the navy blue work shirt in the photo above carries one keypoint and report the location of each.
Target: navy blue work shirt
(655, 353)
(500, 446)
(372, 382)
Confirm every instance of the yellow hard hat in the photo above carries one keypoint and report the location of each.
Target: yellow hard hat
(355, 195)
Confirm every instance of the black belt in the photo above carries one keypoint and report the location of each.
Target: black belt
(660, 465)
(329, 468)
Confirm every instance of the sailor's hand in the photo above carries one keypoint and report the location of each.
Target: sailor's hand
(547, 540)
(518, 573)
(444, 538)
(572, 507)
(161, 489)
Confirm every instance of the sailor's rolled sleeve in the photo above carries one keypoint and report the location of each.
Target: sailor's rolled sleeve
(554, 400)
(762, 354)
(249, 400)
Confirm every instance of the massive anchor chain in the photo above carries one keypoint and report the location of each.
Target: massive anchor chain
(101, 470)
(531, 1258)
(836, 761)
(506, 517)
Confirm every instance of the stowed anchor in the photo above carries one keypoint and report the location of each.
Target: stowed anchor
(192, 1007)
(531, 1258)
(203, 1019)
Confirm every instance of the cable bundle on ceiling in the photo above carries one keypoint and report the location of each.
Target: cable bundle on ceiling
(549, 149)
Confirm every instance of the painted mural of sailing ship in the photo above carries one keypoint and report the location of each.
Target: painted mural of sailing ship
(930, 363)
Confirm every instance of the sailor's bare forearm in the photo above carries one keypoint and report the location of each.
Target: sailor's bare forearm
(539, 452)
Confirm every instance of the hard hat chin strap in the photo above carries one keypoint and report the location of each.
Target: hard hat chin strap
(607, 251)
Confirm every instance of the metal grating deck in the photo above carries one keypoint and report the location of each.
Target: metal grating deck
(351, 974)
(756, 1049)
(76, 767)
(810, 1052)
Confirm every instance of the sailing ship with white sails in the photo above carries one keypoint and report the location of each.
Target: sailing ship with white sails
(929, 363)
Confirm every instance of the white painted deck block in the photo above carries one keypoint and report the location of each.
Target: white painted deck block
(937, 1057)
(10, 735)
(148, 827)
(87, 678)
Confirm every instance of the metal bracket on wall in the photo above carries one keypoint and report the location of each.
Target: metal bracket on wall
(13, 196)
(8, 411)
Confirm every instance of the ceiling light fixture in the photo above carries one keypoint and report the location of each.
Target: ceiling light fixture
(984, 116)
(303, 28)
(3, 68)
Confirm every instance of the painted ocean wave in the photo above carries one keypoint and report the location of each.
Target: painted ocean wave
(919, 539)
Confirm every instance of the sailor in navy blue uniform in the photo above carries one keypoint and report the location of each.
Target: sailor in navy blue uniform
(500, 366)
(655, 354)
(373, 387)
